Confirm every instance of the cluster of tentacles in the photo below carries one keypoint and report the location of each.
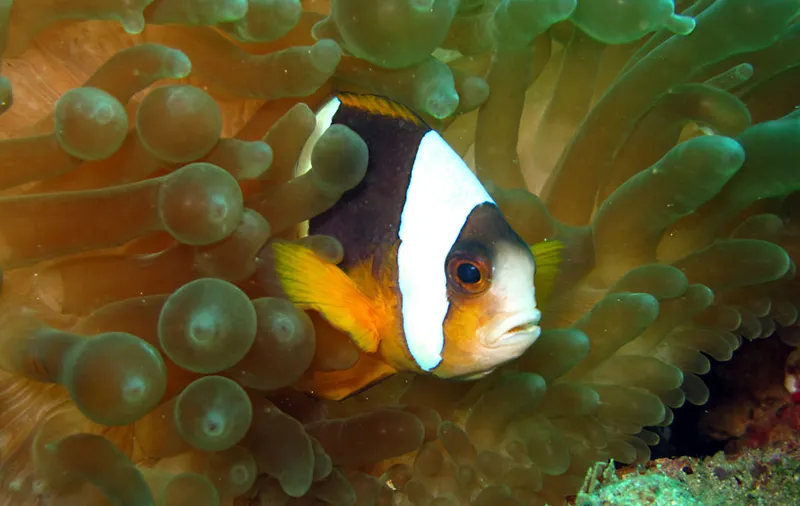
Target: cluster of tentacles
(146, 356)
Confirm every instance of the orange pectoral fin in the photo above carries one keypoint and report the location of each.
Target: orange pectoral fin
(548, 263)
(312, 283)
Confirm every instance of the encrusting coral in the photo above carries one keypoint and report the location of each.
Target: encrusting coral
(147, 357)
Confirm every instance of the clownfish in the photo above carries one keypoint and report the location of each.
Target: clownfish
(434, 280)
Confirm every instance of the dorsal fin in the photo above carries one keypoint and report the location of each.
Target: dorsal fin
(392, 134)
(375, 104)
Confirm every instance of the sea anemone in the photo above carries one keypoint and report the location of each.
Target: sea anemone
(147, 356)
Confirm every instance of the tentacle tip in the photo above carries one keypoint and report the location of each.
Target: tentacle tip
(325, 55)
(133, 22)
(681, 25)
(441, 104)
(178, 64)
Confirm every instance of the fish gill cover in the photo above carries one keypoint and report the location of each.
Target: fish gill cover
(148, 155)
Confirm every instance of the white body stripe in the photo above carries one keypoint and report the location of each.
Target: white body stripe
(441, 194)
(324, 119)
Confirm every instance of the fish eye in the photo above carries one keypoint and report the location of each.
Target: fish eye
(469, 273)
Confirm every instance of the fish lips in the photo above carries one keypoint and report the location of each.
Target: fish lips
(520, 329)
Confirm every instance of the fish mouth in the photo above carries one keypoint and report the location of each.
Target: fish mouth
(517, 329)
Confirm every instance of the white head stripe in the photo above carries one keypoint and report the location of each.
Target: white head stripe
(324, 119)
(442, 192)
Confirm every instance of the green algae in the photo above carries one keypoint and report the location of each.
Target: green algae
(654, 489)
(756, 477)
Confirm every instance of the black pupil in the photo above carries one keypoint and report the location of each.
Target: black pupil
(468, 274)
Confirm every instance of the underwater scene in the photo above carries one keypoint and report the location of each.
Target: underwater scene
(399, 252)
